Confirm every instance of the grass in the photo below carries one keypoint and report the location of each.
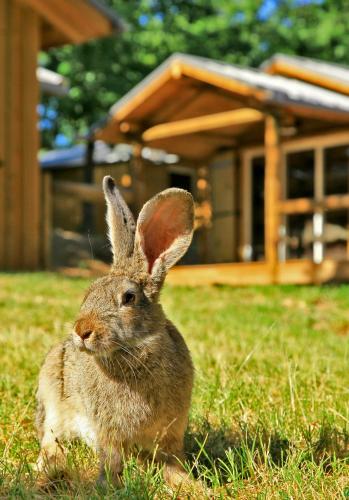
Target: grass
(270, 410)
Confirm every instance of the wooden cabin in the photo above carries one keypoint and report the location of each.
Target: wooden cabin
(26, 27)
(269, 151)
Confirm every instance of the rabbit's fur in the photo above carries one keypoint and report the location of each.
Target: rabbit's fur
(123, 379)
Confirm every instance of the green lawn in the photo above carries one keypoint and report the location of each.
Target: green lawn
(270, 410)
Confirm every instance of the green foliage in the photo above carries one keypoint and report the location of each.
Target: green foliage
(269, 416)
(245, 32)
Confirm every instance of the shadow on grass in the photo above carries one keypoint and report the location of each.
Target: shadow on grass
(216, 453)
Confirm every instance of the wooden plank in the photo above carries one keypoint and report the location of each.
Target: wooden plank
(297, 206)
(13, 184)
(208, 100)
(235, 274)
(296, 272)
(336, 201)
(299, 272)
(30, 172)
(272, 192)
(239, 117)
(3, 71)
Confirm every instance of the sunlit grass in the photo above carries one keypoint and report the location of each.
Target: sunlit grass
(270, 411)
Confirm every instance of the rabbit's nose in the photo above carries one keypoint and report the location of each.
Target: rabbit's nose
(84, 334)
(84, 328)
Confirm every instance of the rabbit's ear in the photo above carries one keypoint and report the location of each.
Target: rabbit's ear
(121, 224)
(164, 230)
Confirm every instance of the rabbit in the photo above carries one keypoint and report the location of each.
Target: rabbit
(123, 379)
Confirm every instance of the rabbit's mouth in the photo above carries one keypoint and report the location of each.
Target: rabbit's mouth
(93, 343)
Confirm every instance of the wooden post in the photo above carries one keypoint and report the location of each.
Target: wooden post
(272, 193)
(3, 35)
(318, 218)
(20, 177)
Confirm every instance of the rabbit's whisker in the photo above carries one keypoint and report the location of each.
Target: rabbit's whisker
(137, 359)
(131, 368)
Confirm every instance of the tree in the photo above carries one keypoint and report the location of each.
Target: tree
(244, 32)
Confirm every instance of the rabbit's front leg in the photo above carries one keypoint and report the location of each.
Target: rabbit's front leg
(111, 465)
(171, 455)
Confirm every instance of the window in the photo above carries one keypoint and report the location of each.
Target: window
(300, 175)
(336, 166)
(257, 180)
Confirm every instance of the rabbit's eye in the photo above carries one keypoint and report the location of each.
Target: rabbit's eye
(128, 298)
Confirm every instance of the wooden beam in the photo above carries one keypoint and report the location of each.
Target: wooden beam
(297, 206)
(292, 71)
(30, 171)
(309, 205)
(3, 38)
(272, 192)
(238, 117)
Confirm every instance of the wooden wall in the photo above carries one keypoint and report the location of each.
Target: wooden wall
(19, 172)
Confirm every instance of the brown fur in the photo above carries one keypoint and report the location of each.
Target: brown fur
(124, 377)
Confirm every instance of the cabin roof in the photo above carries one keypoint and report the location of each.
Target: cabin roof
(280, 90)
(185, 91)
(329, 75)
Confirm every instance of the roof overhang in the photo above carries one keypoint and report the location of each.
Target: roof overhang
(67, 21)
